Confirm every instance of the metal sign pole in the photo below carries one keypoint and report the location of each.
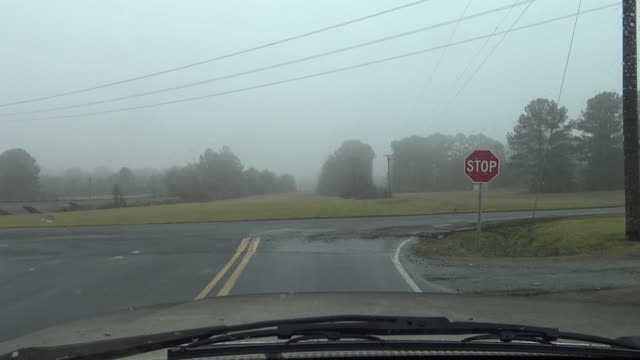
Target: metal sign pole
(481, 166)
(478, 227)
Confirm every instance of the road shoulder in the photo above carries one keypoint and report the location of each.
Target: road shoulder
(605, 280)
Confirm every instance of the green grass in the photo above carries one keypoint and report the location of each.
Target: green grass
(290, 206)
(590, 236)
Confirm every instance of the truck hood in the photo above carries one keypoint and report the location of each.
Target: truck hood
(591, 318)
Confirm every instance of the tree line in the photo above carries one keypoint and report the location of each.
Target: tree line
(544, 152)
(221, 175)
(348, 172)
(76, 182)
(216, 175)
(551, 153)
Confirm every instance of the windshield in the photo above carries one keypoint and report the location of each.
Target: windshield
(481, 156)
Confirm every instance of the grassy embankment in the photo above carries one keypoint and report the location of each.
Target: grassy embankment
(585, 236)
(291, 206)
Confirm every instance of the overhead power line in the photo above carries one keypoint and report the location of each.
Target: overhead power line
(453, 33)
(482, 47)
(273, 66)
(333, 71)
(566, 64)
(236, 53)
(545, 153)
(504, 35)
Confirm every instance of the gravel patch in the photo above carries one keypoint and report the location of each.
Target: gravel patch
(525, 276)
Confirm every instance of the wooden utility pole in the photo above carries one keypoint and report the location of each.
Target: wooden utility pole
(389, 174)
(630, 121)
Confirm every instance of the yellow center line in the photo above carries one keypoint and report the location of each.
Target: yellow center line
(226, 289)
(220, 274)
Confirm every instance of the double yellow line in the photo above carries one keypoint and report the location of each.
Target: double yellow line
(252, 244)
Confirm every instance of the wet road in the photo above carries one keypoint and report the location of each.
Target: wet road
(53, 275)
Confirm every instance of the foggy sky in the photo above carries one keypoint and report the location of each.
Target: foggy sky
(50, 47)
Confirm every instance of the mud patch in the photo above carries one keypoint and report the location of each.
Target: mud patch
(565, 277)
(611, 296)
(383, 232)
(539, 292)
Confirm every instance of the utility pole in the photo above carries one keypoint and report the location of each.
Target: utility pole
(388, 156)
(630, 121)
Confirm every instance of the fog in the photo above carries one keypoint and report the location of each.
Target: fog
(53, 47)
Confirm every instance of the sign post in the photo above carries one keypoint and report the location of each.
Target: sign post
(481, 166)
(479, 225)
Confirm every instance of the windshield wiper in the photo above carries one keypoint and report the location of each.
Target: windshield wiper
(206, 341)
(336, 329)
(370, 327)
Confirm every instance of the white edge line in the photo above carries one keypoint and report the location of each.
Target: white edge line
(401, 270)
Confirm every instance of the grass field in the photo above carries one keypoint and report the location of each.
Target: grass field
(590, 236)
(291, 206)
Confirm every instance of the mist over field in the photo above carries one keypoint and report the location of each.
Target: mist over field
(292, 127)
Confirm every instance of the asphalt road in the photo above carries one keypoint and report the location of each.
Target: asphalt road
(53, 275)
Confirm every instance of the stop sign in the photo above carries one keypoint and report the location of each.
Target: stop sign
(481, 166)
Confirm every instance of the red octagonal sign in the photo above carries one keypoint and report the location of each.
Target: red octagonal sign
(481, 166)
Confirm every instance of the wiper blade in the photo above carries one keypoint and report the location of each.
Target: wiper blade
(116, 348)
(507, 336)
(113, 348)
(336, 328)
(630, 342)
(369, 328)
(329, 327)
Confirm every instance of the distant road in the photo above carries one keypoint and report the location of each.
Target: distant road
(53, 275)
(17, 207)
